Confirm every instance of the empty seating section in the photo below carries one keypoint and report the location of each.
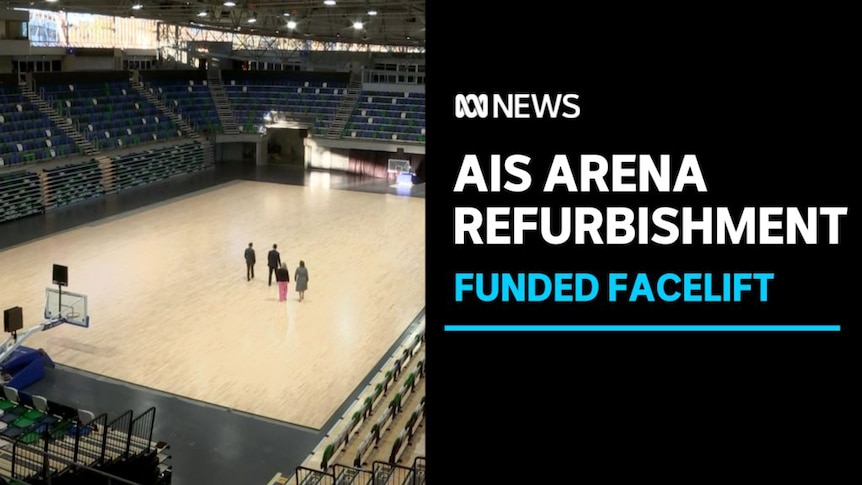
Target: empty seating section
(24, 193)
(156, 164)
(388, 116)
(72, 183)
(27, 135)
(110, 114)
(252, 98)
(39, 439)
(189, 97)
(20, 195)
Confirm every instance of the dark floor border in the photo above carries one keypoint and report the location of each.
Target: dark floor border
(180, 397)
(144, 208)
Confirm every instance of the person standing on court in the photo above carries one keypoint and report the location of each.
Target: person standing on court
(282, 276)
(273, 260)
(301, 279)
(249, 262)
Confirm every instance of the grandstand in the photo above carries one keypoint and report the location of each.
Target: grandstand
(108, 112)
(313, 95)
(187, 93)
(388, 116)
(83, 142)
(27, 134)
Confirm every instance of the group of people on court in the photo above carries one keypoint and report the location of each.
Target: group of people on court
(279, 269)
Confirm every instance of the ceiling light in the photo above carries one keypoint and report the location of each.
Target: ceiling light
(357, 25)
(286, 14)
(291, 24)
(372, 12)
(229, 4)
(137, 6)
(51, 1)
(252, 20)
(202, 14)
(330, 3)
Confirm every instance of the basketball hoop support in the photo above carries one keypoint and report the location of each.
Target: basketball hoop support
(15, 340)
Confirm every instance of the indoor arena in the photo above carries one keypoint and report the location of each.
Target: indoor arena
(213, 243)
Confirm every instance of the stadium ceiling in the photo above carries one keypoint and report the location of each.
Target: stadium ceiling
(390, 22)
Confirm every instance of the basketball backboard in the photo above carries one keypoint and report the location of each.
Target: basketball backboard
(399, 166)
(67, 306)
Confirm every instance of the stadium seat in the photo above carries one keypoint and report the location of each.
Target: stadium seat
(252, 96)
(41, 405)
(384, 115)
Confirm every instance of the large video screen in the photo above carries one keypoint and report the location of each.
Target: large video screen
(47, 29)
(61, 29)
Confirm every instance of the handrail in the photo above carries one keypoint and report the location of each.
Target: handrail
(65, 461)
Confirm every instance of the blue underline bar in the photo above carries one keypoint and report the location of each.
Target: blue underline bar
(642, 328)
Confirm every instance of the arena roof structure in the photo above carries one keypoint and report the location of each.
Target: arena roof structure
(389, 22)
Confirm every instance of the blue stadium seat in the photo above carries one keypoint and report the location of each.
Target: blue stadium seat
(25, 131)
(387, 115)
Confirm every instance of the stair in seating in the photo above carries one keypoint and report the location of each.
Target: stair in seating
(109, 179)
(221, 101)
(64, 124)
(209, 154)
(165, 110)
(187, 129)
(346, 107)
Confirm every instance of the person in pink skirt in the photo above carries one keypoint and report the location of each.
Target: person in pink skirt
(282, 277)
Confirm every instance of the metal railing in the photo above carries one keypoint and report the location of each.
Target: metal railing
(140, 439)
(42, 472)
(307, 476)
(117, 442)
(391, 474)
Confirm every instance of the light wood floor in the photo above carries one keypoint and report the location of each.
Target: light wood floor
(171, 309)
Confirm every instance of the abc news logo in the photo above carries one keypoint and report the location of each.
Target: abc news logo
(517, 106)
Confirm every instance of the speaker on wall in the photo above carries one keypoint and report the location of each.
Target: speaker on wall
(61, 275)
(13, 319)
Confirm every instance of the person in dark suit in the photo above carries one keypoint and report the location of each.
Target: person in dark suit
(273, 260)
(249, 262)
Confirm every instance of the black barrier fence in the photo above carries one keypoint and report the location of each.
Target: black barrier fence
(27, 463)
(88, 440)
(140, 439)
(56, 463)
(349, 474)
(60, 446)
(72, 441)
(388, 473)
(381, 473)
(308, 476)
(115, 441)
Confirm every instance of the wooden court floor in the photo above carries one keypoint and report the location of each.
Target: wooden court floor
(171, 309)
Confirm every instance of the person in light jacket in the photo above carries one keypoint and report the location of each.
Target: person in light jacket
(301, 279)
